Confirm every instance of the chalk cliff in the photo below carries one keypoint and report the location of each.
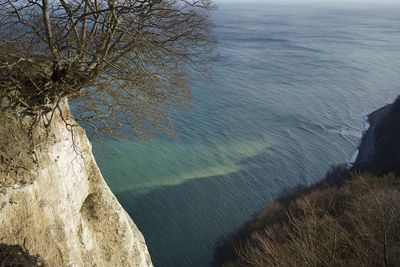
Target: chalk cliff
(54, 202)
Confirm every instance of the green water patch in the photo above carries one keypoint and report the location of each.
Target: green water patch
(146, 164)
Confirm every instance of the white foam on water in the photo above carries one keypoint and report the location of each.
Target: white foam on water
(366, 122)
(352, 159)
(351, 133)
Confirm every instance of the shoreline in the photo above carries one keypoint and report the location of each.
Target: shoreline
(351, 159)
(367, 142)
(367, 146)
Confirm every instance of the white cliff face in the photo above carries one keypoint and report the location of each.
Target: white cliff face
(66, 213)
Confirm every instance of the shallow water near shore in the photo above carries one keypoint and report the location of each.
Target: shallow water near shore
(288, 97)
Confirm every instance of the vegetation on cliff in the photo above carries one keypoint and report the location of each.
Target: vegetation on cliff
(355, 224)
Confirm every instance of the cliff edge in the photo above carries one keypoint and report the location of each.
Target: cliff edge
(379, 151)
(54, 202)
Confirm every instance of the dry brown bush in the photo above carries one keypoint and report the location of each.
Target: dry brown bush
(357, 224)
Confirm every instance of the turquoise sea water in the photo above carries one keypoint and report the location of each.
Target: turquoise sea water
(287, 99)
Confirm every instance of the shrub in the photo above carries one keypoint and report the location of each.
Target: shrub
(354, 224)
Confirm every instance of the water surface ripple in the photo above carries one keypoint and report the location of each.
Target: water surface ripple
(287, 99)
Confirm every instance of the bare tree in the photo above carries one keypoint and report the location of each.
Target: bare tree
(127, 62)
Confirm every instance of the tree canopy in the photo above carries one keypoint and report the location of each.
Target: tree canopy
(127, 62)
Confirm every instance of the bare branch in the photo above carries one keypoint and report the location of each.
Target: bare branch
(126, 62)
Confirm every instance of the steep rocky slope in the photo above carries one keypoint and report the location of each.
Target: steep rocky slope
(54, 202)
(379, 151)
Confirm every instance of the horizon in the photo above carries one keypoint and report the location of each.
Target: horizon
(346, 2)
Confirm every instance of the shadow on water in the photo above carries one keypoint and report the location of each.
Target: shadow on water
(181, 222)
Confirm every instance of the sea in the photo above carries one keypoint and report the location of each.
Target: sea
(286, 99)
